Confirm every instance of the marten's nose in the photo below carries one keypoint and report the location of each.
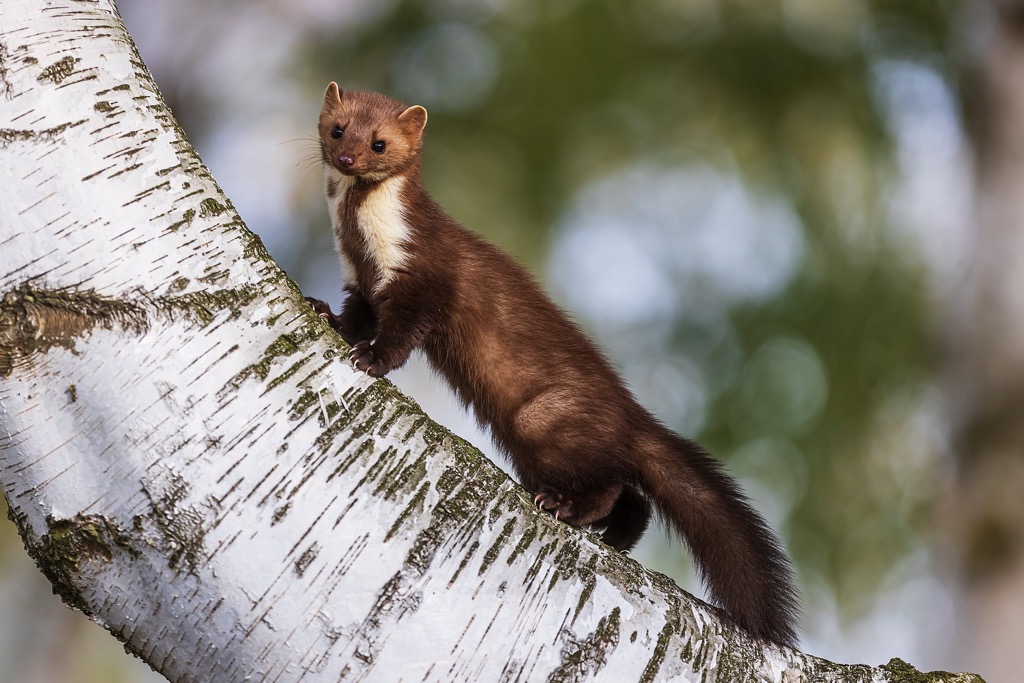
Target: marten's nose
(346, 161)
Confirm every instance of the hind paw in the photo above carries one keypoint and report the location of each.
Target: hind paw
(553, 502)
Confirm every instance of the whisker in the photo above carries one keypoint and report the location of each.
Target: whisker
(310, 139)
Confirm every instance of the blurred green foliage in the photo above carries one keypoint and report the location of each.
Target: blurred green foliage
(782, 94)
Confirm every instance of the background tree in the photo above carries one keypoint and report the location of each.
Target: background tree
(985, 334)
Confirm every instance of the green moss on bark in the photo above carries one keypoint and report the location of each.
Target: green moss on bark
(898, 671)
(68, 546)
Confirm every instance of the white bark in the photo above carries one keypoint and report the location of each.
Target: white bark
(191, 462)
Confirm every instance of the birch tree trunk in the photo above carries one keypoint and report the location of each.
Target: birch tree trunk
(192, 463)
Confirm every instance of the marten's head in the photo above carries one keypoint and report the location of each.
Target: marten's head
(368, 135)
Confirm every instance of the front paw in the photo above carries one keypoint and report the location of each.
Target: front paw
(322, 309)
(365, 360)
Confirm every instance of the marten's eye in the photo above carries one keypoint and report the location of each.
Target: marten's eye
(378, 147)
(337, 132)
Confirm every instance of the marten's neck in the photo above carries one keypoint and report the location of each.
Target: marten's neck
(372, 226)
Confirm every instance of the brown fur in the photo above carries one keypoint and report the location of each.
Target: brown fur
(575, 435)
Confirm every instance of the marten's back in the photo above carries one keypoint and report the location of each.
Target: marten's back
(504, 342)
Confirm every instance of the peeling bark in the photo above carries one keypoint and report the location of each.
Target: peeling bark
(191, 462)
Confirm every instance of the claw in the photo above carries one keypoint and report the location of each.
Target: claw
(553, 503)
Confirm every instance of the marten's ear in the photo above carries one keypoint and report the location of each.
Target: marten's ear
(333, 94)
(413, 120)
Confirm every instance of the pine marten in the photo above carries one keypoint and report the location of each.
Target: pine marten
(576, 436)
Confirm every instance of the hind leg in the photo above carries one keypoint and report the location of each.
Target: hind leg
(627, 521)
(578, 509)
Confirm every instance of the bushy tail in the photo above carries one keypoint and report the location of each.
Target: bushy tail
(743, 566)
